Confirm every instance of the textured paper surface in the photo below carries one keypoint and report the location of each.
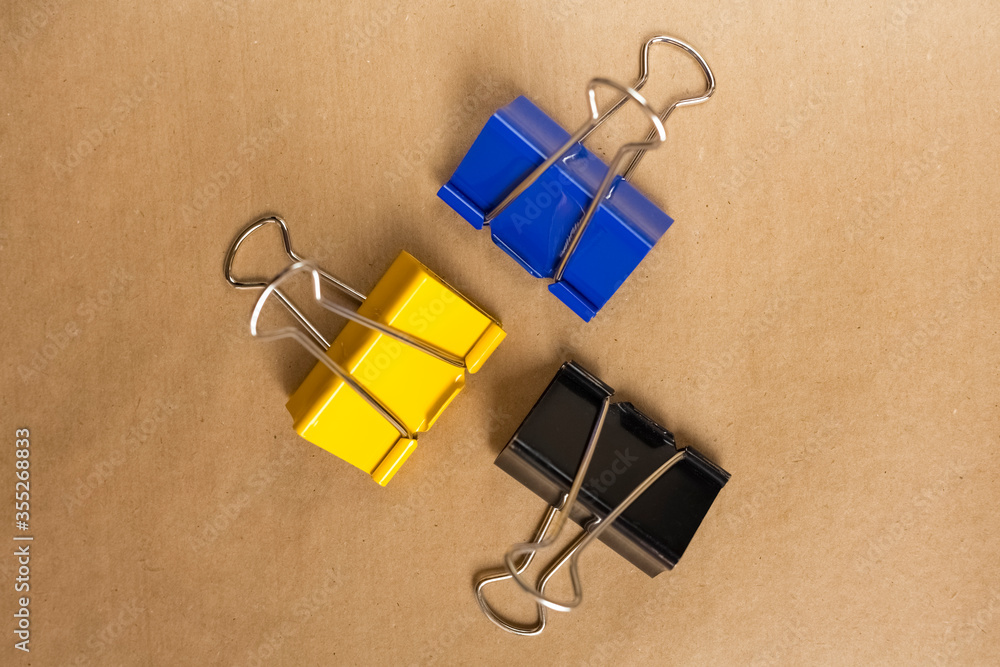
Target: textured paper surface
(821, 320)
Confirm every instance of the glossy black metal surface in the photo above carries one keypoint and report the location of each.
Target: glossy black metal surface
(544, 455)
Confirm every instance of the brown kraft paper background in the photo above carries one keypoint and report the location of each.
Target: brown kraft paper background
(821, 321)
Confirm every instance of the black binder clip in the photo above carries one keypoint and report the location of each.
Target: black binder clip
(611, 469)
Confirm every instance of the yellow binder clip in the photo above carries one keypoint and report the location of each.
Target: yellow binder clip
(391, 371)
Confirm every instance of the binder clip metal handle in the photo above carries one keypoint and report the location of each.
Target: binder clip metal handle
(646, 502)
(684, 102)
(553, 521)
(571, 554)
(315, 343)
(504, 575)
(657, 136)
(556, 207)
(260, 283)
(644, 78)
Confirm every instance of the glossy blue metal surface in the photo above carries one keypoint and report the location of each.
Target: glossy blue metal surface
(536, 227)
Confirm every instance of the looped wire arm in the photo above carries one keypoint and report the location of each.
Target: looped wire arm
(656, 138)
(684, 102)
(299, 264)
(542, 539)
(578, 136)
(312, 345)
(497, 576)
(261, 283)
(557, 515)
(653, 140)
(594, 529)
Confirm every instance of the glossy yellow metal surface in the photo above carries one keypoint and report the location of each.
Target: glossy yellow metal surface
(413, 385)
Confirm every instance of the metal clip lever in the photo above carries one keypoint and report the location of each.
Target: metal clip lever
(657, 135)
(557, 208)
(316, 343)
(683, 102)
(571, 555)
(589, 126)
(645, 502)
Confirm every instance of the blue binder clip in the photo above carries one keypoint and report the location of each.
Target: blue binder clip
(553, 205)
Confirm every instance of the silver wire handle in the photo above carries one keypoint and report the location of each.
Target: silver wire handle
(684, 102)
(315, 343)
(592, 123)
(658, 136)
(570, 554)
(314, 346)
(503, 575)
(596, 120)
(260, 283)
